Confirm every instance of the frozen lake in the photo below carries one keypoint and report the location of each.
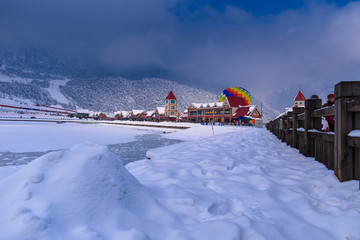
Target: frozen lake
(24, 142)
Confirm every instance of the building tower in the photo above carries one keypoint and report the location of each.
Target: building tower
(299, 100)
(171, 106)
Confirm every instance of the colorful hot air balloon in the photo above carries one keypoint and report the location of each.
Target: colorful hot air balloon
(236, 92)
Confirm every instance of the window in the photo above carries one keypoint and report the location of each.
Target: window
(172, 101)
(296, 103)
(167, 101)
(208, 112)
(166, 107)
(192, 113)
(172, 113)
(172, 107)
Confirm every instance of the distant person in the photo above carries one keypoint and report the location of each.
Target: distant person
(330, 119)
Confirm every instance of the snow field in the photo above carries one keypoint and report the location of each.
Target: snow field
(81, 193)
(242, 183)
(249, 178)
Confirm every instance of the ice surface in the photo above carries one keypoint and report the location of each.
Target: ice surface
(136, 150)
(19, 137)
(127, 152)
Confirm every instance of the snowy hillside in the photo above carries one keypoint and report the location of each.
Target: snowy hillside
(107, 94)
(101, 94)
(115, 93)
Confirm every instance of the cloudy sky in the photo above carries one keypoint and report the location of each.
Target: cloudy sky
(257, 44)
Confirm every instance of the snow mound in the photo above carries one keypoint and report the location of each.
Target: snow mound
(81, 193)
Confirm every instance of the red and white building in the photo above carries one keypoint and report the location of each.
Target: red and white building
(299, 100)
(233, 109)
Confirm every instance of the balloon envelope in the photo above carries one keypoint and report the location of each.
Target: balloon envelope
(236, 92)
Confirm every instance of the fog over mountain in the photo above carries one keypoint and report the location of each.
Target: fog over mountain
(273, 50)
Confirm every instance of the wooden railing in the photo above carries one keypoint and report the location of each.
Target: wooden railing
(338, 151)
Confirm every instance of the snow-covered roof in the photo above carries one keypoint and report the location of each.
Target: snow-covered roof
(284, 113)
(135, 112)
(84, 111)
(207, 105)
(185, 114)
(150, 113)
(219, 104)
(122, 113)
(160, 110)
(245, 111)
(196, 105)
(125, 113)
(251, 108)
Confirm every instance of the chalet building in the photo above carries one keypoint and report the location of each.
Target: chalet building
(171, 112)
(159, 114)
(233, 109)
(299, 100)
(135, 114)
(100, 116)
(82, 113)
(147, 116)
(184, 116)
(121, 115)
(246, 113)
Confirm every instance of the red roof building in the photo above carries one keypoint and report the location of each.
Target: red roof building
(300, 97)
(247, 112)
(299, 100)
(171, 112)
(171, 96)
(235, 101)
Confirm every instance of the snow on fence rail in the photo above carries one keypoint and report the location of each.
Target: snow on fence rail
(339, 151)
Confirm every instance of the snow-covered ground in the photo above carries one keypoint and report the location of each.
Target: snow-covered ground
(242, 183)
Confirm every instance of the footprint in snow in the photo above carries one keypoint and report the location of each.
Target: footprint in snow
(212, 186)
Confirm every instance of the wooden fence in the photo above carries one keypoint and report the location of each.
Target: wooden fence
(338, 151)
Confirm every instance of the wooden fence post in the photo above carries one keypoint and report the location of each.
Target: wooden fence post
(282, 130)
(288, 126)
(295, 139)
(310, 105)
(344, 165)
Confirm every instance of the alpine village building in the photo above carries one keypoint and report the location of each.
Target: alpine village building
(299, 100)
(171, 112)
(232, 110)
